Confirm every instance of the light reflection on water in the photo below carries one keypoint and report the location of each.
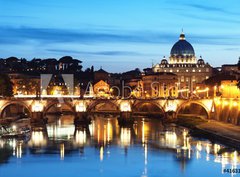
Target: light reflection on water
(148, 148)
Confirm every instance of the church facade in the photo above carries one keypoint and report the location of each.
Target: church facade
(190, 71)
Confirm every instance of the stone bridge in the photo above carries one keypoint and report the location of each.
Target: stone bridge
(217, 108)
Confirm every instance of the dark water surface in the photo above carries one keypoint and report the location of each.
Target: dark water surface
(103, 148)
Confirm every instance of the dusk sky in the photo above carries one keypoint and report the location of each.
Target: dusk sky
(119, 35)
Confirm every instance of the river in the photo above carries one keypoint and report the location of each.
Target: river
(149, 148)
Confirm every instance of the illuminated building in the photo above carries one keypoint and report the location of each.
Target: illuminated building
(101, 89)
(24, 84)
(160, 85)
(229, 89)
(184, 64)
(224, 85)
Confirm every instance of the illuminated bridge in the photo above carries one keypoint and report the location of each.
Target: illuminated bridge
(218, 108)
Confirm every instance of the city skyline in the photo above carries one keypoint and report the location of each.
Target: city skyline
(118, 36)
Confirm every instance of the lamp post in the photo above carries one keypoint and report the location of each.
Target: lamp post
(207, 89)
(214, 92)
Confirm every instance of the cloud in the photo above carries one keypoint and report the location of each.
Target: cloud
(210, 18)
(52, 35)
(44, 36)
(206, 8)
(211, 9)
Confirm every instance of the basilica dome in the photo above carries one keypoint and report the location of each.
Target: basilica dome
(182, 48)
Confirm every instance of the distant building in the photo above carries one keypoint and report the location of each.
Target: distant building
(183, 62)
(101, 89)
(161, 84)
(101, 75)
(232, 69)
(25, 84)
(229, 89)
(224, 85)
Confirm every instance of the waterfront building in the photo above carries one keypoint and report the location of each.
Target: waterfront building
(24, 84)
(101, 89)
(160, 84)
(229, 89)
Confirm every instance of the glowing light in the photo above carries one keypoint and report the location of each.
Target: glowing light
(101, 153)
(235, 104)
(62, 151)
(207, 148)
(171, 139)
(185, 140)
(44, 92)
(14, 127)
(125, 136)
(125, 106)
(216, 148)
(47, 96)
(19, 150)
(37, 107)
(235, 157)
(81, 107)
(143, 133)
(171, 107)
(217, 101)
(80, 137)
(109, 131)
(199, 146)
(38, 139)
(225, 103)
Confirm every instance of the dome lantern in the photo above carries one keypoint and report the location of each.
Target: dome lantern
(182, 36)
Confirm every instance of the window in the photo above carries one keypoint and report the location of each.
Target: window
(182, 78)
(193, 78)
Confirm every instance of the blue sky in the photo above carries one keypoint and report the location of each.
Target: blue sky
(119, 35)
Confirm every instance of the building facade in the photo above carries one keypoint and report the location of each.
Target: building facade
(190, 71)
(160, 85)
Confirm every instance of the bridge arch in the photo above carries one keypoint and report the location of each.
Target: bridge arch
(18, 103)
(67, 104)
(103, 105)
(189, 106)
(147, 106)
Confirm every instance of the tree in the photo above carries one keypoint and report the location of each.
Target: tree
(28, 86)
(6, 86)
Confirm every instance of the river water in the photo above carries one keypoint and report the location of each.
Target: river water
(148, 148)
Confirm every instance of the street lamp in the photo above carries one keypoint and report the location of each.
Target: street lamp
(207, 89)
(214, 93)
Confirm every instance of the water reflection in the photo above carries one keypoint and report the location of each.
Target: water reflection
(149, 136)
